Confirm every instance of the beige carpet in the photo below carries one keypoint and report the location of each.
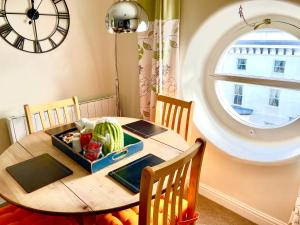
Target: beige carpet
(212, 213)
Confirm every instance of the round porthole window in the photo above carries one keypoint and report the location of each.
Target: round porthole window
(246, 83)
(266, 57)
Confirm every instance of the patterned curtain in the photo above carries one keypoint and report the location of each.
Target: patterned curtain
(158, 53)
(295, 217)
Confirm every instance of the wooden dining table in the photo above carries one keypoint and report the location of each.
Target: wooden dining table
(81, 193)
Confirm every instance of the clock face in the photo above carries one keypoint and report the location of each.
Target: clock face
(35, 26)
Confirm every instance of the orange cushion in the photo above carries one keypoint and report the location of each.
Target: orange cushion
(130, 216)
(132, 220)
(124, 215)
(12, 215)
(127, 216)
(162, 201)
(108, 219)
(7, 208)
(15, 223)
(160, 218)
(136, 209)
(7, 218)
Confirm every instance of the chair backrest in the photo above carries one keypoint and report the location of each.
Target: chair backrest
(171, 178)
(52, 114)
(174, 112)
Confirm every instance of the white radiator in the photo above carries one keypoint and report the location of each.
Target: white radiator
(17, 125)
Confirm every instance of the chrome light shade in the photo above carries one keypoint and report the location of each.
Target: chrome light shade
(126, 17)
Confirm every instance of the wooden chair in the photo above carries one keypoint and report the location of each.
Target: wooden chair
(173, 113)
(174, 173)
(162, 203)
(56, 113)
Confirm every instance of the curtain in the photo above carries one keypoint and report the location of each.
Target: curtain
(158, 50)
(295, 217)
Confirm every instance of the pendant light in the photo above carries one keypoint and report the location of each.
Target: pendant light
(126, 17)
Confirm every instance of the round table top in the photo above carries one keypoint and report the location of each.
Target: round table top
(80, 192)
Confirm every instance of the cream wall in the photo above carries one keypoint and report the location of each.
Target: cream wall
(269, 189)
(82, 65)
(128, 74)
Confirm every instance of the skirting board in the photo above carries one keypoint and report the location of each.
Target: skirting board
(238, 207)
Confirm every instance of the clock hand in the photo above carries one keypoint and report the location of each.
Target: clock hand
(30, 22)
(24, 13)
(34, 30)
(32, 4)
(39, 5)
(31, 7)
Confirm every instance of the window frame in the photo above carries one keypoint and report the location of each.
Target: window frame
(257, 80)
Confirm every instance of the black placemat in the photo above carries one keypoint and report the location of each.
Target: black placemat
(38, 172)
(130, 174)
(144, 128)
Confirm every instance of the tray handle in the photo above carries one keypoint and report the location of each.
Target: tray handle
(120, 155)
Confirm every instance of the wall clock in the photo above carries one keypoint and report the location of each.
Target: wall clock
(35, 26)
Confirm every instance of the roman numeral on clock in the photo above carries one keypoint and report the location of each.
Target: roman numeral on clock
(53, 44)
(56, 1)
(63, 16)
(19, 42)
(37, 47)
(2, 13)
(62, 30)
(5, 30)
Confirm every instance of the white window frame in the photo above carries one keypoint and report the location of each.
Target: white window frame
(269, 82)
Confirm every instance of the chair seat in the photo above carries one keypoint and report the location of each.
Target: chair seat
(12, 215)
(130, 216)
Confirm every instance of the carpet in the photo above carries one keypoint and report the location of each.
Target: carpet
(211, 213)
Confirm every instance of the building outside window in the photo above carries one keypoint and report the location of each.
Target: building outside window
(238, 94)
(274, 97)
(241, 64)
(258, 81)
(279, 66)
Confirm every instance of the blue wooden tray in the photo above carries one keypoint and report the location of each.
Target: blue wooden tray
(132, 145)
